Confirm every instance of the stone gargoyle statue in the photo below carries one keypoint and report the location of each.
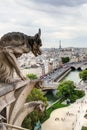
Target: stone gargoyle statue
(12, 46)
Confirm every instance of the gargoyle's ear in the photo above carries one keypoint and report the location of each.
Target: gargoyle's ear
(38, 34)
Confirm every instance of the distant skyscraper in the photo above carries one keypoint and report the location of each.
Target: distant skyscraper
(60, 44)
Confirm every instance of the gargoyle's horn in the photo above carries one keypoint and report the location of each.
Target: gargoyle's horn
(39, 32)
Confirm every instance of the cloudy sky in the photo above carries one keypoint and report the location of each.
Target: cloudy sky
(64, 20)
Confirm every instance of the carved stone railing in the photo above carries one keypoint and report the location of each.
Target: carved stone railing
(7, 93)
(13, 97)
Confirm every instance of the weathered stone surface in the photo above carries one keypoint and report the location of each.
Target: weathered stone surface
(13, 45)
(6, 88)
(14, 96)
(6, 100)
(21, 95)
(7, 92)
(2, 126)
(26, 109)
(13, 93)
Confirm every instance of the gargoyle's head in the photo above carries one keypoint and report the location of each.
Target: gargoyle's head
(36, 44)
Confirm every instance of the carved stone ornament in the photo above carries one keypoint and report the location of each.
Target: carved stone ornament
(12, 46)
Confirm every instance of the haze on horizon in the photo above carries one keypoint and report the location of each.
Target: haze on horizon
(58, 20)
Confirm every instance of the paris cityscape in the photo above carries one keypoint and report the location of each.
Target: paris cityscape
(50, 68)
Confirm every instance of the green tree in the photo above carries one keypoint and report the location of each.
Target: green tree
(67, 90)
(36, 115)
(31, 76)
(36, 95)
(84, 128)
(83, 75)
(65, 59)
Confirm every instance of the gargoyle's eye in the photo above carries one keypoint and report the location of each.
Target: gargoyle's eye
(39, 42)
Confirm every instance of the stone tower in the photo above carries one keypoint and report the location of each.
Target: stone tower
(59, 44)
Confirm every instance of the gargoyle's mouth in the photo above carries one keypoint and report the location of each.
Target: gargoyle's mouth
(37, 52)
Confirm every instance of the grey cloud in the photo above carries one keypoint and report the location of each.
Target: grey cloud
(52, 7)
(62, 2)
